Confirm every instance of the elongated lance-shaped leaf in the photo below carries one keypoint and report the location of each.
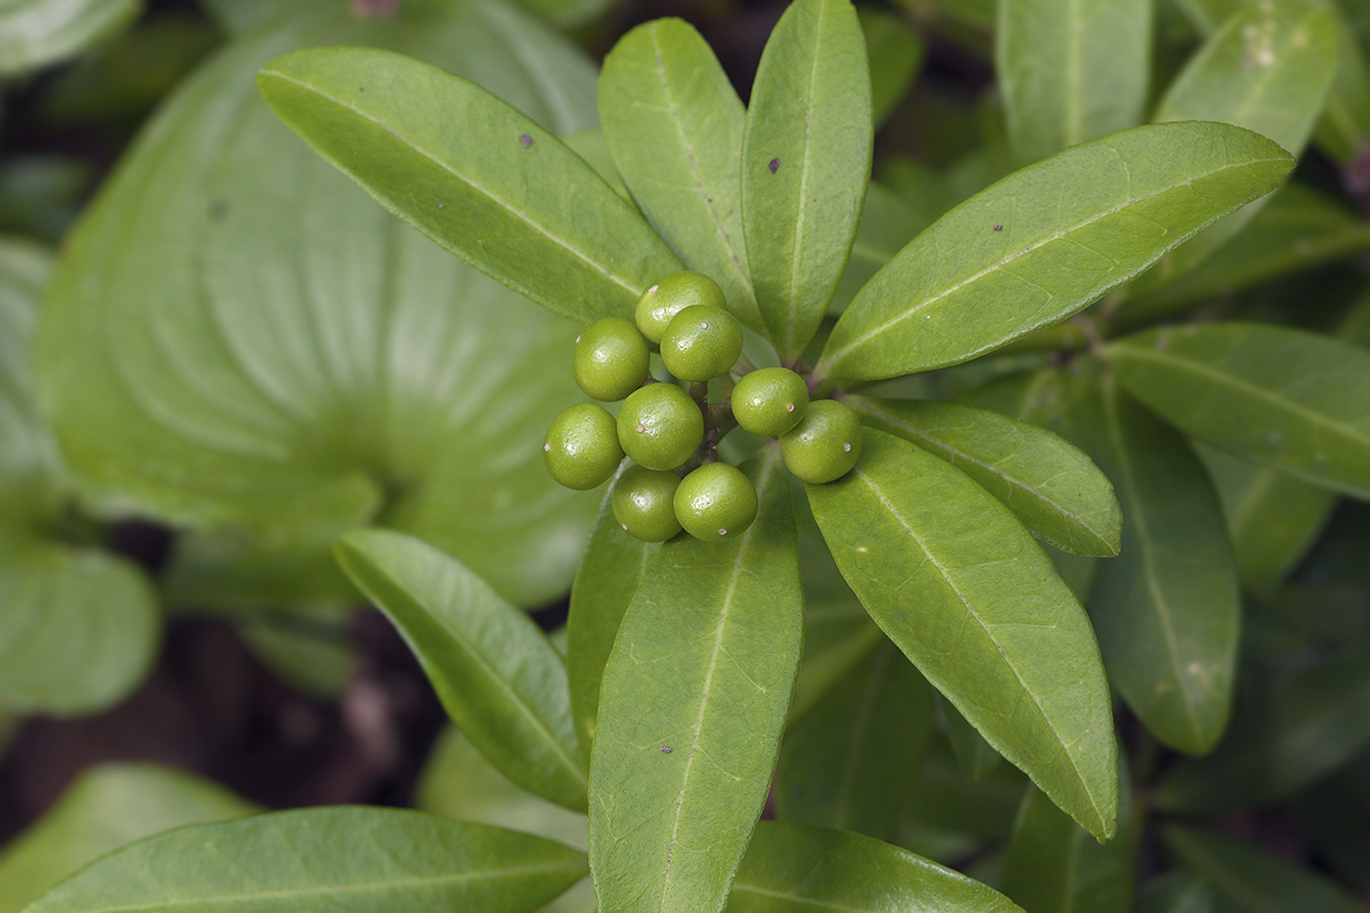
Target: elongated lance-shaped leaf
(852, 760)
(335, 859)
(806, 159)
(1045, 242)
(1268, 69)
(1053, 866)
(961, 587)
(895, 53)
(614, 565)
(1049, 484)
(692, 707)
(1167, 609)
(1070, 71)
(791, 867)
(674, 125)
(474, 174)
(974, 756)
(1286, 398)
(38, 32)
(496, 674)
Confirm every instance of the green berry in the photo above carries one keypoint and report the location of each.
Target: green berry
(715, 502)
(770, 401)
(670, 296)
(611, 359)
(701, 343)
(644, 503)
(581, 449)
(826, 443)
(659, 426)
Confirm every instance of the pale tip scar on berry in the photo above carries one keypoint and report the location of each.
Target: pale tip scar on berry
(546, 448)
(652, 290)
(641, 428)
(847, 447)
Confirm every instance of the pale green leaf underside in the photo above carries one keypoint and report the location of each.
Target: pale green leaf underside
(333, 859)
(691, 711)
(1069, 229)
(37, 32)
(497, 675)
(961, 587)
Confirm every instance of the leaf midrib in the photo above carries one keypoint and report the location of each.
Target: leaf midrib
(797, 237)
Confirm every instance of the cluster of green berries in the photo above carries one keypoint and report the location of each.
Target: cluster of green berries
(676, 482)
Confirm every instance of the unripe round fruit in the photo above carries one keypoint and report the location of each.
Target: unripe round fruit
(701, 343)
(770, 401)
(644, 503)
(715, 502)
(671, 295)
(659, 426)
(826, 443)
(581, 449)
(611, 359)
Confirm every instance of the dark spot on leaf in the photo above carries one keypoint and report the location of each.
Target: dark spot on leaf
(665, 750)
(526, 140)
(774, 165)
(998, 228)
(218, 210)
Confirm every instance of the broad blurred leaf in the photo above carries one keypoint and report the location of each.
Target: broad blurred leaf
(976, 757)
(41, 195)
(1167, 609)
(1177, 891)
(895, 53)
(851, 762)
(498, 677)
(235, 16)
(34, 33)
(1071, 71)
(948, 800)
(1051, 486)
(1336, 814)
(692, 709)
(1286, 398)
(335, 859)
(792, 867)
(309, 647)
(107, 808)
(1069, 229)
(961, 587)
(887, 224)
(806, 158)
(674, 125)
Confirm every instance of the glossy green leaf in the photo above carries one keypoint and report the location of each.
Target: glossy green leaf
(1052, 487)
(1315, 721)
(105, 809)
(238, 335)
(1053, 866)
(962, 588)
(1272, 518)
(1071, 71)
(34, 33)
(852, 760)
(806, 157)
(1290, 399)
(1248, 880)
(1177, 891)
(498, 677)
(615, 564)
(795, 867)
(1167, 609)
(976, 757)
(1070, 228)
(336, 859)
(691, 711)
(895, 53)
(473, 173)
(674, 125)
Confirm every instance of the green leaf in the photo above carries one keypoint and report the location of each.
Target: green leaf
(106, 808)
(34, 33)
(1053, 866)
(1313, 722)
(1177, 891)
(1272, 518)
(852, 760)
(615, 564)
(1290, 399)
(474, 174)
(1071, 70)
(887, 224)
(1072, 227)
(1249, 880)
(311, 648)
(1167, 609)
(335, 859)
(1053, 488)
(976, 758)
(793, 867)
(961, 587)
(498, 677)
(691, 711)
(895, 53)
(1336, 814)
(946, 799)
(238, 335)
(806, 158)
(674, 126)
